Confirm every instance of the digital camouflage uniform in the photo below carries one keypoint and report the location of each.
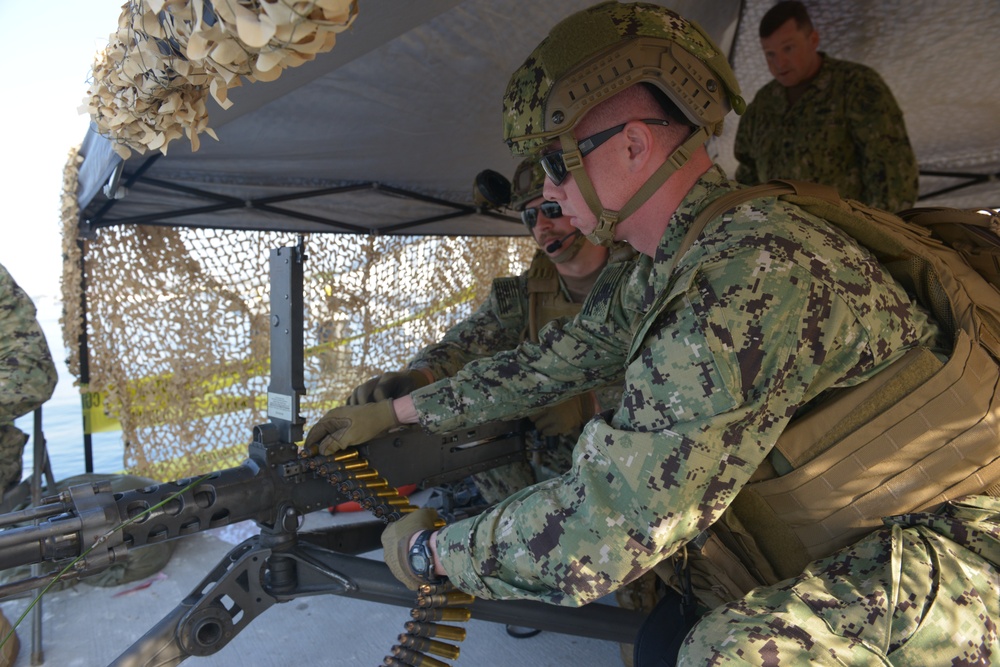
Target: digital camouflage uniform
(501, 323)
(770, 309)
(714, 370)
(27, 374)
(846, 131)
(921, 591)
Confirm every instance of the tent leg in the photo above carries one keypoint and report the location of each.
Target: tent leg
(88, 442)
(40, 467)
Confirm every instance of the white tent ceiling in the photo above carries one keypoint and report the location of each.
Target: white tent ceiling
(386, 131)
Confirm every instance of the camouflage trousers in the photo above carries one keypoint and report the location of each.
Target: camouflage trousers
(924, 590)
(12, 442)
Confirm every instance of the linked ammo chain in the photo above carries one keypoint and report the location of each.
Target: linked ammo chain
(356, 479)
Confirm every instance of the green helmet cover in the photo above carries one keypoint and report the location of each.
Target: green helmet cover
(599, 51)
(529, 179)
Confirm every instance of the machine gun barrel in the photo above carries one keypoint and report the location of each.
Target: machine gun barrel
(89, 527)
(92, 523)
(113, 522)
(49, 507)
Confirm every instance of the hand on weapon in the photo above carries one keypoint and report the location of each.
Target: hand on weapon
(347, 426)
(388, 385)
(396, 544)
(564, 418)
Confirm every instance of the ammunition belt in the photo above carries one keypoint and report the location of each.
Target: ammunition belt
(357, 480)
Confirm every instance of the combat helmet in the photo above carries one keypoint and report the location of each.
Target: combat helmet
(529, 179)
(492, 190)
(600, 51)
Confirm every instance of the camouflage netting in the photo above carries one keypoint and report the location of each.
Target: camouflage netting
(177, 324)
(177, 318)
(150, 84)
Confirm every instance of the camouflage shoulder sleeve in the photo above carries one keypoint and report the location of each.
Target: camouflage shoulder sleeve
(509, 300)
(603, 295)
(496, 325)
(27, 374)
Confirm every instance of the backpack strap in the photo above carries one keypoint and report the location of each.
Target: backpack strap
(925, 217)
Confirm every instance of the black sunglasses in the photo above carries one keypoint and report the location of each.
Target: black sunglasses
(549, 209)
(554, 165)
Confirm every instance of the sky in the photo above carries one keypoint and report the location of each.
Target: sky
(48, 49)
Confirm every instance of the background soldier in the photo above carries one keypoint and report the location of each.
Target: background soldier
(824, 120)
(722, 343)
(27, 379)
(27, 374)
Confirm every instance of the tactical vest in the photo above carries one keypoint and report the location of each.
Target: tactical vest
(546, 300)
(915, 435)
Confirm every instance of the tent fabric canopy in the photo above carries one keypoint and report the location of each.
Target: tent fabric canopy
(385, 133)
(406, 107)
(378, 142)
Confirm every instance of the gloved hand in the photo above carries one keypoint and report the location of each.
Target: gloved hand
(350, 425)
(388, 385)
(564, 418)
(396, 543)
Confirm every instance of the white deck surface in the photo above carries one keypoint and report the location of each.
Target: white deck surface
(88, 626)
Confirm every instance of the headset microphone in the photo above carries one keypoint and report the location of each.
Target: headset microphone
(558, 243)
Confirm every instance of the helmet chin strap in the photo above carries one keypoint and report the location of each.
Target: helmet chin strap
(607, 220)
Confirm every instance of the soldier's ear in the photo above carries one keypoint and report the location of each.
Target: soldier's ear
(639, 142)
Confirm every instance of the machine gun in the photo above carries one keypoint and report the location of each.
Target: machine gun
(88, 527)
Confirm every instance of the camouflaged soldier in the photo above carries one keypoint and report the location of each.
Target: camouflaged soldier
(559, 278)
(27, 374)
(721, 344)
(824, 120)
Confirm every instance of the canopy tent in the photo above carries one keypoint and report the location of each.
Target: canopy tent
(371, 150)
(386, 131)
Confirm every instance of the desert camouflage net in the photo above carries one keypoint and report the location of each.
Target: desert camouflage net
(178, 335)
(150, 84)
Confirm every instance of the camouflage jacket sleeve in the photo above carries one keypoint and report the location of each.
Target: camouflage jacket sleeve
(571, 357)
(753, 326)
(27, 374)
(889, 171)
(498, 324)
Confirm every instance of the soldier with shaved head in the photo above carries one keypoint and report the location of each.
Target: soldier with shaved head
(730, 324)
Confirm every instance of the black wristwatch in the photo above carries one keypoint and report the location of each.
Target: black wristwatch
(421, 560)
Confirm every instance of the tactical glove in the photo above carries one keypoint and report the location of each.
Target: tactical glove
(388, 385)
(396, 544)
(566, 417)
(350, 425)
